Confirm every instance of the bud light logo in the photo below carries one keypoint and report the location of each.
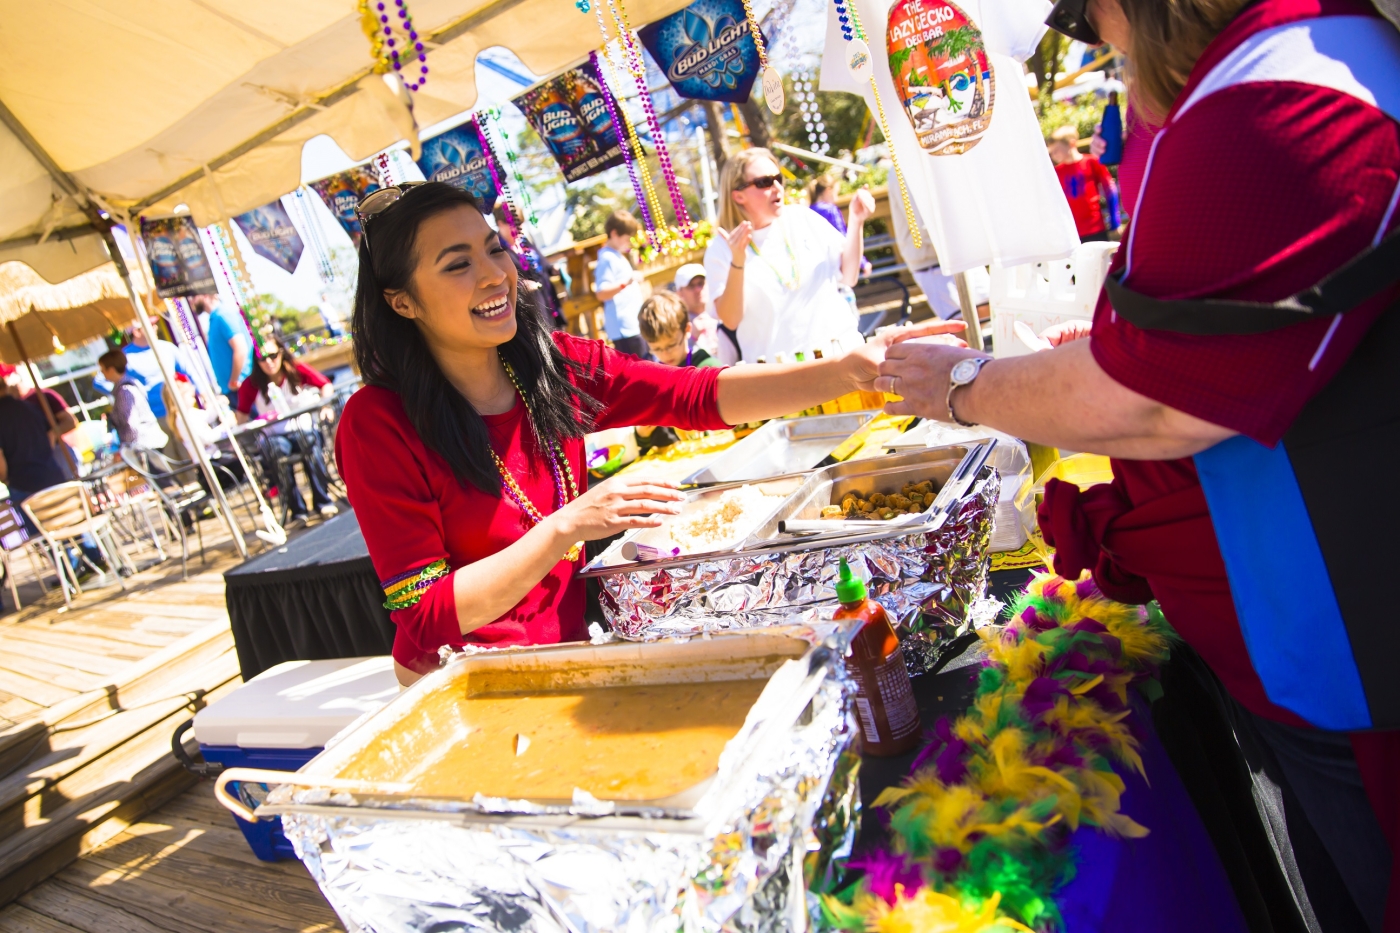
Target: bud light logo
(458, 158)
(707, 50)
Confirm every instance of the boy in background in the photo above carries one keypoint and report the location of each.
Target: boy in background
(1087, 186)
(666, 328)
(618, 286)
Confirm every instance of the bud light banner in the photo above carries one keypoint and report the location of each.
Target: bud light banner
(177, 257)
(272, 235)
(342, 192)
(458, 158)
(706, 50)
(570, 114)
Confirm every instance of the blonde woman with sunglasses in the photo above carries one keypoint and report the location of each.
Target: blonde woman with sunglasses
(776, 273)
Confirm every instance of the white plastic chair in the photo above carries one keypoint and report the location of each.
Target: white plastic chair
(62, 514)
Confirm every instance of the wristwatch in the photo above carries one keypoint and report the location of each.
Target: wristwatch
(962, 373)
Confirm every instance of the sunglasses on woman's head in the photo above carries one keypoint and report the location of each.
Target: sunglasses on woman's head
(763, 183)
(1070, 18)
(379, 201)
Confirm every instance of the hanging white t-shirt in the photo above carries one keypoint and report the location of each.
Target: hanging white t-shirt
(792, 286)
(962, 125)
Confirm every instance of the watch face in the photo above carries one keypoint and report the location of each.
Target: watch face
(964, 371)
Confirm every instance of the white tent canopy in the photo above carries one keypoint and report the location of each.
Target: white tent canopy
(208, 103)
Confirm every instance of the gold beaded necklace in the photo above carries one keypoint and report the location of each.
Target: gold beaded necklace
(565, 485)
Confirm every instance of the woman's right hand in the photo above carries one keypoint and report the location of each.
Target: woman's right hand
(738, 240)
(615, 505)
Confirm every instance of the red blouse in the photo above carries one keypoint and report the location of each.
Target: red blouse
(414, 512)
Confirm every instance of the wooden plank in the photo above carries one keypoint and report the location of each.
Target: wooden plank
(161, 786)
(33, 689)
(74, 805)
(18, 919)
(73, 905)
(109, 639)
(106, 629)
(193, 901)
(94, 661)
(182, 611)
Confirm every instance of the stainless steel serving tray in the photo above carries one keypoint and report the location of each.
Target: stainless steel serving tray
(781, 447)
(952, 468)
(612, 561)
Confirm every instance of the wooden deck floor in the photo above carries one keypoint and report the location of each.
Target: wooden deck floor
(184, 869)
(100, 828)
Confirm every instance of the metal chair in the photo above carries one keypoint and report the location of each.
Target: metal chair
(14, 536)
(183, 496)
(63, 514)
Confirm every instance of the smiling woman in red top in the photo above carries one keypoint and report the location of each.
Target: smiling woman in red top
(463, 455)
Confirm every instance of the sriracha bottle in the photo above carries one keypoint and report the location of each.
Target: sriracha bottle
(889, 717)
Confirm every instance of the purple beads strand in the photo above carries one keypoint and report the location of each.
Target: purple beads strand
(628, 157)
(418, 51)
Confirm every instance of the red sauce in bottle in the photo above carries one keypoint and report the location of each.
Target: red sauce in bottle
(885, 706)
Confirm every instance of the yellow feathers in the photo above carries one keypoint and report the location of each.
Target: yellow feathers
(929, 911)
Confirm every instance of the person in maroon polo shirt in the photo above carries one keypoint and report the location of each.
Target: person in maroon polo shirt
(1278, 162)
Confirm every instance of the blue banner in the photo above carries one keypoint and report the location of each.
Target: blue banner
(458, 158)
(272, 234)
(706, 50)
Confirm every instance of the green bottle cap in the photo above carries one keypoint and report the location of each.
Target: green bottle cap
(849, 587)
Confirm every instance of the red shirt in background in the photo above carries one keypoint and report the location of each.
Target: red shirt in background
(1086, 185)
(249, 396)
(413, 510)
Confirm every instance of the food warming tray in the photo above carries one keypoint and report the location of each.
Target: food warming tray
(781, 447)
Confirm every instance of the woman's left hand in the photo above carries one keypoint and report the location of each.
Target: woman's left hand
(862, 206)
(865, 361)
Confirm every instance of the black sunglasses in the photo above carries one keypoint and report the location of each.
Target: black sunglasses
(379, 201)
(1069, 17)
(763, 183)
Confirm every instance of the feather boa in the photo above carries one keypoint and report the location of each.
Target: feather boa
(980, 829)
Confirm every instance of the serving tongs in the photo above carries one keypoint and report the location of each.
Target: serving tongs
(931, 519)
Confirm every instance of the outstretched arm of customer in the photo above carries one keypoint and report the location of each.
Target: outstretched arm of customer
(754, 393)
(1059, 397)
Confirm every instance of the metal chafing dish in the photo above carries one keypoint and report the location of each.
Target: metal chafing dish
(927, 573)
(781, 447)
(739, 848)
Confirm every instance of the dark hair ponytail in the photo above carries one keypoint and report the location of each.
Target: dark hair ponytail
(391, 351)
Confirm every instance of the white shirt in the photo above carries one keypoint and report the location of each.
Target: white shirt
(792, 281)
(998, 201)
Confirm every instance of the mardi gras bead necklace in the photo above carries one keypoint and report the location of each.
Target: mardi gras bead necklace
(391, 51)
(520, 204)
(852, 29)
(318, 243)
(633, 156)
(222, 249)
(565, 488)
(637, 67)
(508, 209)
(790, 278)
(772, 81)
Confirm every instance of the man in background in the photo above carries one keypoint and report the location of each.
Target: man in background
(63, 421)
(230, 345)
(1088, 186)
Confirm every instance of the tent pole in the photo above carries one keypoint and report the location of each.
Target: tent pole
(103, 224)
(143, 321)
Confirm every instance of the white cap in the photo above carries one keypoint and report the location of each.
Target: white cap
(688, 272)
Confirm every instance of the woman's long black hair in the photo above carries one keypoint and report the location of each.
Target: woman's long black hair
(392, 353)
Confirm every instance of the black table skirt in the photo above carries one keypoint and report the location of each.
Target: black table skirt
(315, 598)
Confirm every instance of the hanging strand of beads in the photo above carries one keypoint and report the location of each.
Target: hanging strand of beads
(851, 28)
(637, 65)
(757, 36)
(517, 204)
(626, 140)
(510, 211)
(314, 234)
(393, 50)
(648, 201)
(524, 204)
(223, 255)
(804, 77)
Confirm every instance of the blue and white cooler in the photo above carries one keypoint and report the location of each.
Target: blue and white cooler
(283, 718)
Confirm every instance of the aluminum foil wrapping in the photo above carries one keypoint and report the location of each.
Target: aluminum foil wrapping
(926, 581)
(778, 809)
